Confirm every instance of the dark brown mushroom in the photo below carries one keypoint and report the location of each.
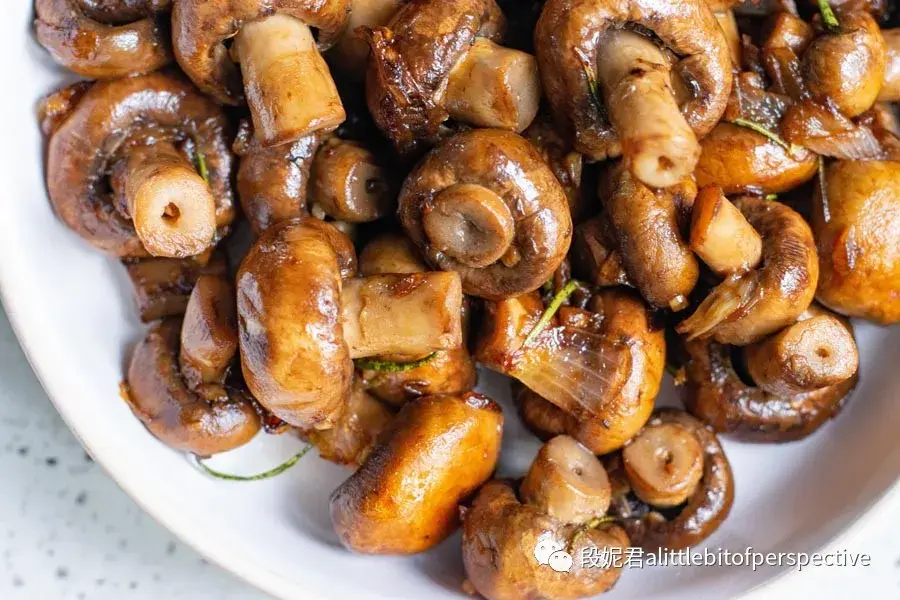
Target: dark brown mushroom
(484, 204)
(162, 286)
(286, 82)
(676, 464)
(351, 52)
(595, 255)
(562, 159)
(611, 89)
(349, 183)
(145, 138)
(435, 60)
(405, 498)
(105, 40)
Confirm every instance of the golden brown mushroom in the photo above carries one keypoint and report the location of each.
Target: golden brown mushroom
(162, 286)
(747, 306)
(405, 497)
(856, 220)
(595, 255)
(285, 80)
(890, 88)
(162, 148)
(209, 335)
(562, 159)
(611, 87)
(436, 60)
(351, 52)
(297, 272)
(534, 544)
(484, 204)
(105, 40)
(349, 183)
(677, 465)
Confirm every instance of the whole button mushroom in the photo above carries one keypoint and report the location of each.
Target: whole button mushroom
(611, 87)
(532, 544)
(162, 148)
(675, 464)
(302, 319)
(856, 221)
(405, 498)
(436, 60)
(177, 376)
(285, 80)
(484, 203)
(105, 40)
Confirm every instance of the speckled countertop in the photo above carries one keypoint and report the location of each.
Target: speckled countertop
(68, 532)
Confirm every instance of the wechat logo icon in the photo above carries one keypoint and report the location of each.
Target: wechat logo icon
(552, 553)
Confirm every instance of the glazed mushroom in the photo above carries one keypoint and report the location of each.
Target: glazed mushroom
(349, 183)
(648, 226)
(805, 371)
(601, 367)
(297, 272)
(161, 147)
(747, 306)
(856, 220)
(436, 60)
(595, 255)
(675, 464)
(176, 379)
(611, 89)
(405, 498)
(351, 52)
(105, 40)
(721, 236)
(282, 75)
(532, 545)
(163, 286)
(563, 160)
(890, 88)
(484, 204)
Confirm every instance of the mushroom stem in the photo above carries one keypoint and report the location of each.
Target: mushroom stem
(664, 464)
(470, 223)
(209, 333)
(287, 83)
(809, 355)
(721, 236)
(408, 315)
(890, 88)
(171, 205)
(351, 52)
(657, 142)
(493, 86)
(348, 184)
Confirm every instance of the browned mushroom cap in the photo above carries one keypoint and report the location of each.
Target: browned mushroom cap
(716, 394)
(390, 253)
(890, 89)
(485, 204)
(563, 160)
(167, 121)
(162, 286)
(856, 219)
(105, 41)
(649, 226)
(602, 367)
(502, 539)
(405, 498)
(746, 307)
(349, 183)
(676, 434)
(439, 59)
(272, 182)
(205, 423)
(276, 50)
(209, 335)
(583, 52)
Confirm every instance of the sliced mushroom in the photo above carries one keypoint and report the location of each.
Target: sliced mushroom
(485, 204)
(285, 80)
(124, 39)
(146, 137)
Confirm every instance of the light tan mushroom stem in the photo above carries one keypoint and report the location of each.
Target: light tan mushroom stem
(348, 184)
(664, 464)
(721, 235)
(809, 355)
(209, 333)
(351, 51)
(567, 482)
(172, 207)
(406, 315)
(659, 146)
(288, 86)
(493, 86)
(470, 223)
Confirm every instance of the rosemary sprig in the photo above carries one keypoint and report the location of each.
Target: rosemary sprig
(387, 366)
(551, 309)
(771, 135)
(258, 477)
(828, 16)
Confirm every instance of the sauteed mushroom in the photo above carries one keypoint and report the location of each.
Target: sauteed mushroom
(562, 159)
(143, 136)
(585, 50)
(293, 274)
(856, 219)
(351, 51)
(595, 256)
(510, 543)
(286, 82)
(674, 462)
(485, 204)
(890, 88)
(436, 60)
(405, 497)
(162, 286)
(105, 40)
(348, 183)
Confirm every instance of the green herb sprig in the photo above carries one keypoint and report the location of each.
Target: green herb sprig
(551, 310)
(258, 477)
(387, 366)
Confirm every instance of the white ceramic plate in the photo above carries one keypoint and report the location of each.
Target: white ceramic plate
(73, 313)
